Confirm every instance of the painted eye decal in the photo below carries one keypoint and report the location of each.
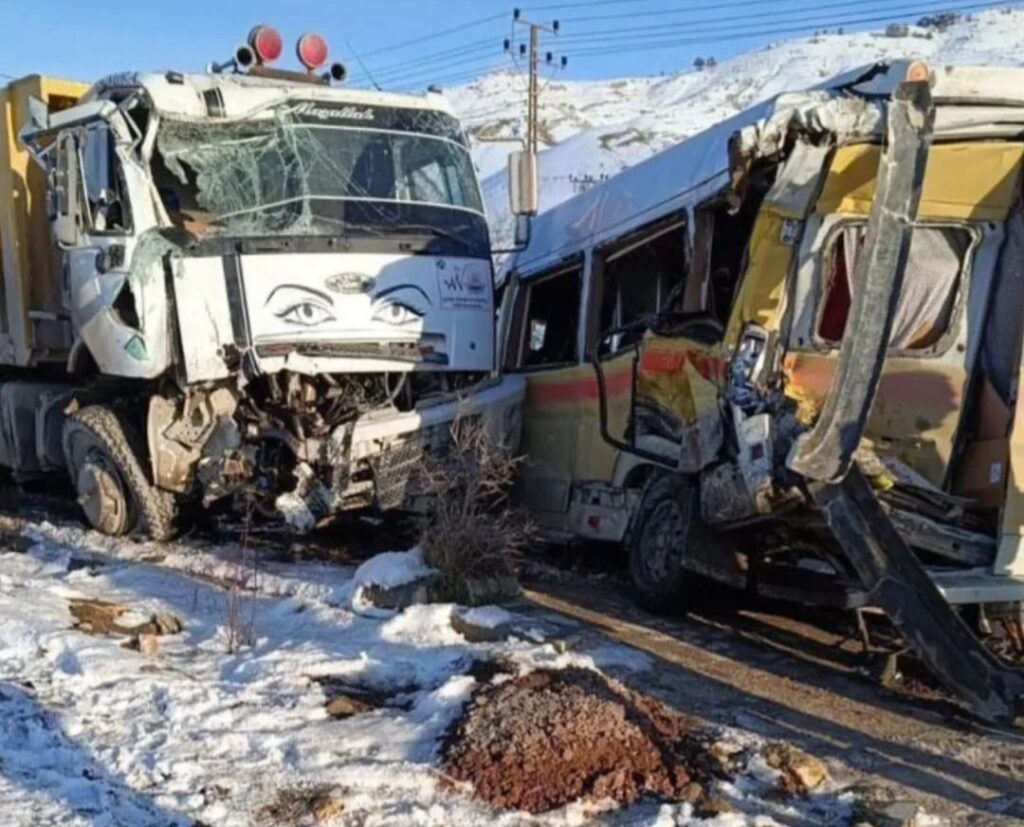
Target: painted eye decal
(300, 306)
(396, 313)
(306, 314)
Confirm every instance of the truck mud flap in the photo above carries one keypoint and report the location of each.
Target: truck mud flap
(898, 584)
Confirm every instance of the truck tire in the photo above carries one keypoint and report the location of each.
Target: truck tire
(113, 489)
(665, 528)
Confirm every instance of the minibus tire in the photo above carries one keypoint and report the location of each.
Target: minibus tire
(665, 528)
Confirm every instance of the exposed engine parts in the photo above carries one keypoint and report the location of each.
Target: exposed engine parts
(294, 433)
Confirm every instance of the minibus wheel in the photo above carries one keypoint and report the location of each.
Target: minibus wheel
(665, 528)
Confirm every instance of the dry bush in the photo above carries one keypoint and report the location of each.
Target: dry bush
(470, 532)
(240, 608)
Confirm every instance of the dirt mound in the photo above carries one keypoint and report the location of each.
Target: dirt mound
(541, 741)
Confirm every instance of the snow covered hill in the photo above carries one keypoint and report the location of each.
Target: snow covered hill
(593, 129)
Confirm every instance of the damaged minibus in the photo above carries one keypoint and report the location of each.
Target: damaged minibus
(785, 354)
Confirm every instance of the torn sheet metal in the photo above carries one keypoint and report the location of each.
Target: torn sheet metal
(825, 452)
(888, 569)
(693, 171)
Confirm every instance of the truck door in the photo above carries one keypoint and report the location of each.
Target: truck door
(685, 362)
(544, 344)
(92, 229)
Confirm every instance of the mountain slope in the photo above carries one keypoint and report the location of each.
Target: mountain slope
(594, 129)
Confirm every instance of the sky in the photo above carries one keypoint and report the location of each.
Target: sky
(408, 44)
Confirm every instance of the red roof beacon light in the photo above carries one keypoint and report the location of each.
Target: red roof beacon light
(266, 43)
(312, 51)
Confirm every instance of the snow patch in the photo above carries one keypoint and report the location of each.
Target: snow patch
(488, 617)
(393, 568)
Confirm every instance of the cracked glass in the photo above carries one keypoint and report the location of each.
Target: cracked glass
(289, 173)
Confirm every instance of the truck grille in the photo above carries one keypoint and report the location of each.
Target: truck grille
(395, 469)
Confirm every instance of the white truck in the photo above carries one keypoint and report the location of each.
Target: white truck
(243, 283)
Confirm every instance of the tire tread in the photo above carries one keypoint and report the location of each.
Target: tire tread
(157, 509)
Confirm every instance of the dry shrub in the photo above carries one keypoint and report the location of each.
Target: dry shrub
(470, 532)
(240, 608)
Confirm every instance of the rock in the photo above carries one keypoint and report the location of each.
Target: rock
(801, 772)
(476, 633)
(398, 597)
(531, 631)
(296, 806)
(487, 669)
(483, 591)
(711, 806)
(96, 617)
(899, 814)
(148, 645)
(166, 624)
(345, 706)
(15, 541)
(145, 643)
(325, 807)
(82, 563)
(100, 617)
(724, 756)
(691, 793)
(436, 589)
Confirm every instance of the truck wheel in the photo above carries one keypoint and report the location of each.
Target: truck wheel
(666, 525)
(113, 489)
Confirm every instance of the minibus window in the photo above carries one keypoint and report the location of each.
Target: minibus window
(931, 282)
(551, 327)
(639, 283)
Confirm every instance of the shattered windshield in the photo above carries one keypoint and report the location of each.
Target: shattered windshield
(299, 170)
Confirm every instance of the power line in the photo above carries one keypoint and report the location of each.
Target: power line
(464, 75)
(413, 68)
(666, 12)
(814, 21)
(800, 15)
(362, 65)
(434, 35)
(431, 57)
(428, 75)
(587, 3)
(647, 44)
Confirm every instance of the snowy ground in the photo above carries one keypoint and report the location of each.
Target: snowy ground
(92, 733)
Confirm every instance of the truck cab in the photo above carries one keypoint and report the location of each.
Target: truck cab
(274, 288)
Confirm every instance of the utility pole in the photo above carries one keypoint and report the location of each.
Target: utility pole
(532, 108)
(533, 93)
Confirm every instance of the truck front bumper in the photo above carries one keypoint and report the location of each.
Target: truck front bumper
(376, 459)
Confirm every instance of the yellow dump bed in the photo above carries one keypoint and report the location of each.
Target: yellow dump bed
(33, 325)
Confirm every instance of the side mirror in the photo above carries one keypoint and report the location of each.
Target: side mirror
(524, 228)
(522, 183)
